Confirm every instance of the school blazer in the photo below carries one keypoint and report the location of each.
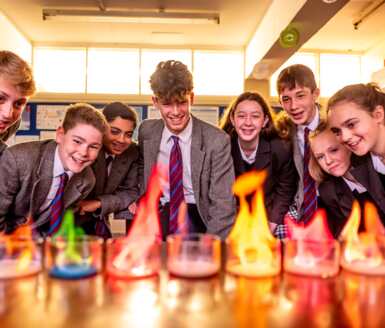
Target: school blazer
(338, 199)
(212, 170)
(121, 187)
(274, 156)
(26, 173)
(7, 134)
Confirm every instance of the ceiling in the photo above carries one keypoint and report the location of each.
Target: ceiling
(235, 29)
(239, 20)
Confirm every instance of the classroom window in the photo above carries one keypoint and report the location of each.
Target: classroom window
(308, 59)
(113, 71)
(60, 70)
(218, 72)
(337, 71)
(150, 59)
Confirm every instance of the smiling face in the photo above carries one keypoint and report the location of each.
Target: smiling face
(176, 112)
(330, 154)
(299, 103)
(12, 103)
(355, 127)
(79, 146)
(119, 136)
(248, 120)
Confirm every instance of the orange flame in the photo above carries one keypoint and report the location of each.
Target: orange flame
(20, 238)
(363, 246)
(251, 235)
(145, 229)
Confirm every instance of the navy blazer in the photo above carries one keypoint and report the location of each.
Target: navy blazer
(338, 199)
(276, 157)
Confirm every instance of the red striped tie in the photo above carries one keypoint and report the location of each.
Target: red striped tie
(57, 206)
(309, 205)
(176, 184)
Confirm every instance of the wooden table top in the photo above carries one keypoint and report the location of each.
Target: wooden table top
(347, 300)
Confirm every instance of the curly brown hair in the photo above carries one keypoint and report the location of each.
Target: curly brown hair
(171, 81)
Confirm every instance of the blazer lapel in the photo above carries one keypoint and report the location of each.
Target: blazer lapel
(363, 170)
(298, 159)
(196, 157)
(76, 187)
(262, 159)
(43, 178)
(151, 150)
(100, 170)
(118, 170)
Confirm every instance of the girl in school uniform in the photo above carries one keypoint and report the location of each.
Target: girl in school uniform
(356, 116)
(339, 183)
(256, 146)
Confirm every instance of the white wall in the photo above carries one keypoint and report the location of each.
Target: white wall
(11, 39)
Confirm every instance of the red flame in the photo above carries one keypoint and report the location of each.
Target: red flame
(146, 224)
(315, 230)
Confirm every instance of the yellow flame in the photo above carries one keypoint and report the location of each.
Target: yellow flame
(363, 246)
(251, 233)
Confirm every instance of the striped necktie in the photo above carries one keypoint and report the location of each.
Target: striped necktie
(309, 205)
(176, 184)
(57, 206)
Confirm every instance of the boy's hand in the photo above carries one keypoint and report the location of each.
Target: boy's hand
(89, 206)
(132, 208)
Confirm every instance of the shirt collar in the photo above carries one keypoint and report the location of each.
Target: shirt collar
(58, 167)
(183, 136)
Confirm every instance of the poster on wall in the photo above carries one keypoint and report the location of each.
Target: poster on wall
(25, 123)
(49, 117)
(206, 113)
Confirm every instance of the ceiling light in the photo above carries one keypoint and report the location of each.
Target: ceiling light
(158, 17)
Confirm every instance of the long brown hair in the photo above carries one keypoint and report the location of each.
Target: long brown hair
(366, 96)
(225, 124)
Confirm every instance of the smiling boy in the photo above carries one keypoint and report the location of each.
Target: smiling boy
(115, 170)
(16, 86)
(41, 179)
(197, 156)
(298, 94)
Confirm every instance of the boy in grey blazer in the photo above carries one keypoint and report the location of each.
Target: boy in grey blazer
(32, 174)
(16, 86)
(208, 172)
(115, 170)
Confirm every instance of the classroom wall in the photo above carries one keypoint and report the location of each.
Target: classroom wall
(13, 40)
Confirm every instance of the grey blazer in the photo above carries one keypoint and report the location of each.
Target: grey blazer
(26, 173)
(7, 134)
(212, 170)
(121, 188)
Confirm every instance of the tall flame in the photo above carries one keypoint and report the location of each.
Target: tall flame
(363, 246)
(145, 229)
(251, 235)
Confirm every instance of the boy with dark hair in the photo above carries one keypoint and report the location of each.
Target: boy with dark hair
(41, 179)
(16, 86)
(116, 172)
(298, 93)
(196, 154)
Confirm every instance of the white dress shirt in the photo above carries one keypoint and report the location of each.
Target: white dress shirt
(58, 170)
(166, 144)
(378, 164)
(251, 158)
(301, 131)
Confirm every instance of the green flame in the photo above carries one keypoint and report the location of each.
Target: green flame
(70, 232)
